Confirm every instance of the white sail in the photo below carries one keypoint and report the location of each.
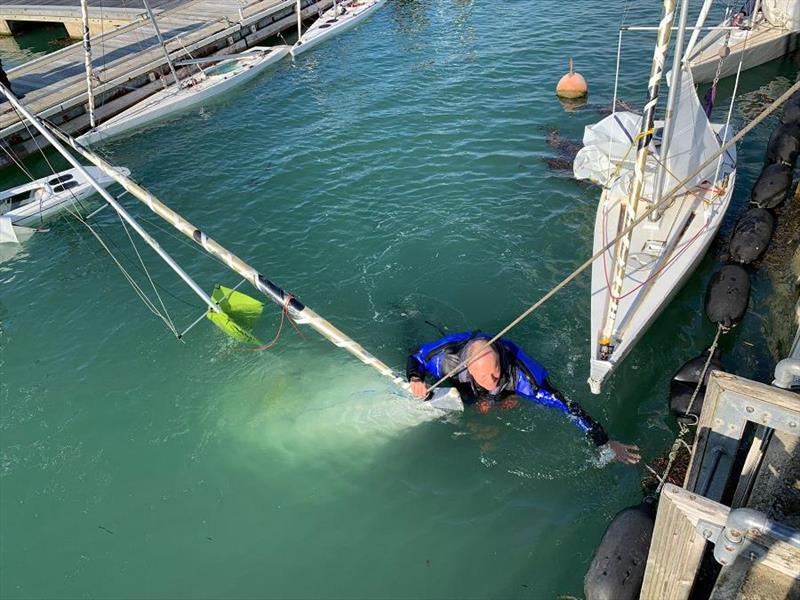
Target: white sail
(608, 152)
(607, 148)
(12, 234)
(782, 13)
(693, 140)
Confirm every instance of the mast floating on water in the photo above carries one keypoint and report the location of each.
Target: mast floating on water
(111, 201)
(447, 400)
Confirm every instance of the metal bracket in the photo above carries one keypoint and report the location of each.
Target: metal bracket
(738, 409)
(726, 550)
(730, 541)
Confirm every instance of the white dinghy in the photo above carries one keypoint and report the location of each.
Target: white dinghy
(190, 92)
(33, 203)
(771, 31)
(639, 162)
(337, 19)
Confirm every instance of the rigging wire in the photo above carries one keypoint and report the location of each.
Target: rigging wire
(142, 295)
(147, 273)
(133, 283)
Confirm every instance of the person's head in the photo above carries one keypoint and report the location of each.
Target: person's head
(484, 367)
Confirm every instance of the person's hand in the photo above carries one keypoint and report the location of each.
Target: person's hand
(508, 403)
(625, 453)
(419, 388)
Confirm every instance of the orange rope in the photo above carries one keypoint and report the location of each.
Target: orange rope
(284, 315)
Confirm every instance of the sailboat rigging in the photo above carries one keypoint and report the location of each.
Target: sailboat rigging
(635, 280)
(446, 400)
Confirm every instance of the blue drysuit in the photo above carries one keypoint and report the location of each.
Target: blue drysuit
(519, 375)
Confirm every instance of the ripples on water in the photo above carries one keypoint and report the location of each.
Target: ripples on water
(396, 180)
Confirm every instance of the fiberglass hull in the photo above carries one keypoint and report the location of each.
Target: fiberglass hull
(173, 99)
(654, 273)
(327, 27)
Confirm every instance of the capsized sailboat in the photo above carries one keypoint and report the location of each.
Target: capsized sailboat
(760, 32)
(35, 202)
(442, 400)
(337, 19)
(641, 162)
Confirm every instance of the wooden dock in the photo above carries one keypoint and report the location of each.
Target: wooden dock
(128, 63)
(100, 18)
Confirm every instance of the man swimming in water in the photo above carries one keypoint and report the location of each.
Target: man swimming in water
(498, 373)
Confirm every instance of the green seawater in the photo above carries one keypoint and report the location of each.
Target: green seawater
(32, 42)
(395, 175)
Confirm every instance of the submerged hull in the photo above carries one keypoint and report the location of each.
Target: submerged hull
(174, 99)
(329, 25)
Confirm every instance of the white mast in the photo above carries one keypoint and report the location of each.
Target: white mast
(669, 122)
(87, 59)
(111, 200)
(161, 41)
(701, 19)
(644, 138)
(299, 19)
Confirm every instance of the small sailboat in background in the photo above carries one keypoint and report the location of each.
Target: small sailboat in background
(761, 31)
(337, 19)
(641, 162)
(232, 70)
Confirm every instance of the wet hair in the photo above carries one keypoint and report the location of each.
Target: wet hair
(478, 348)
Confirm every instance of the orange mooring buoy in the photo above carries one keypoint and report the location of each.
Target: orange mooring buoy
(572, 85)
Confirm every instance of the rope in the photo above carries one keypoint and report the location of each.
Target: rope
(588, 262)
(284, 316)
(720, 330)
(683, 429)
(15, 159)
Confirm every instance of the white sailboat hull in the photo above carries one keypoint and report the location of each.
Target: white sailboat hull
(754, 47)
(662, 257)
(173, 99)
(31, 204)
(329, 25)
